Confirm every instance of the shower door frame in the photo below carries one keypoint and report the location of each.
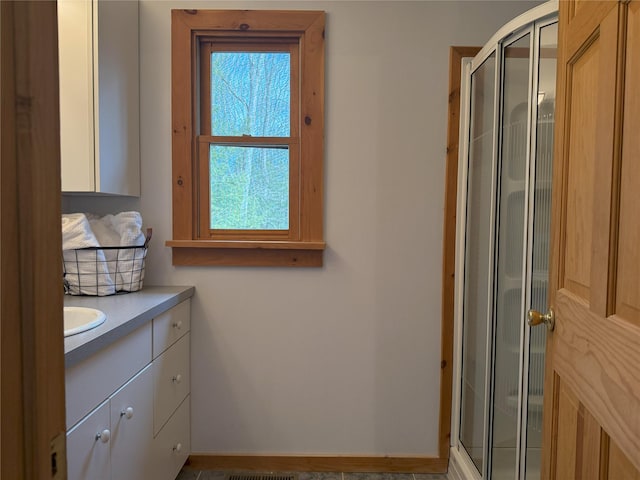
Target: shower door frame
(530, 22)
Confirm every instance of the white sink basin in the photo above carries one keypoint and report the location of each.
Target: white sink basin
(81, 319)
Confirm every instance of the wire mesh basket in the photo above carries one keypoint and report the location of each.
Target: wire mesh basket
(102, 271)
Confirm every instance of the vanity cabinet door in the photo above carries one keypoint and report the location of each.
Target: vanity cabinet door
(132, 428)
(88, 446)
(75, 60)
(99, 96)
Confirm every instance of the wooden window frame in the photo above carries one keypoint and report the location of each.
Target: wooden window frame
(303, 244)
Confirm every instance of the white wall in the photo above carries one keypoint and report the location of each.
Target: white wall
(343, 359)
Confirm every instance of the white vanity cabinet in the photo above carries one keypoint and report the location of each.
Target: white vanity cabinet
(99, 96)
(128, 404)
(112, 442)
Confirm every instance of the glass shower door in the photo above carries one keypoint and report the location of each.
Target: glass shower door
(504, 248)
(539, 251)
(510, 256)
(478, 265)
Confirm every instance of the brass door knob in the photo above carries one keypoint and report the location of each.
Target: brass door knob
(534, 318)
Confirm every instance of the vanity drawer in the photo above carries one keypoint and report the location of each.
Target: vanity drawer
(171, 381)
(171, 447)
(91, 381)
(171, 326)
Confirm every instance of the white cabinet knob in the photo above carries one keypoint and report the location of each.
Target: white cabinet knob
(127, 412)
(103, 436)
(177, 378)
(177, 325)
(177, 447)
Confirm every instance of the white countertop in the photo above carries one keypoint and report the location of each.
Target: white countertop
(125, 313)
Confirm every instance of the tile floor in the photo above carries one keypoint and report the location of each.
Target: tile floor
(186, 474)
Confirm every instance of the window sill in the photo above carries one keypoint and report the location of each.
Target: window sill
(247, 253)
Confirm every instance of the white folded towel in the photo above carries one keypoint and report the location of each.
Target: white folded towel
(129, 227)
(101, 227)
(77, 232)
(86, 271)
(121, 230)
(126, 266)
(130, 264)
(106, 237)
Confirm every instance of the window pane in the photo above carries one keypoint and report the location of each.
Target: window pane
(249, 187)
(250, 94)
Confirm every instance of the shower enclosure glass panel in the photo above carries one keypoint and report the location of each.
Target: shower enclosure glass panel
(510, 257)
(540, 237)
(477, 262)
(503, 248)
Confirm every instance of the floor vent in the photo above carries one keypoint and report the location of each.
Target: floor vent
(260, 476)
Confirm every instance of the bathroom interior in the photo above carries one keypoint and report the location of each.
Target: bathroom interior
(344, 360)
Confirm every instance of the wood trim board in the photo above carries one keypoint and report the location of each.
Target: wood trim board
(317, 463)
(456, 54)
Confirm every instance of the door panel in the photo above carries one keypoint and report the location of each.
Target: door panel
(591, 434)
(628, 280)
(567, 428)
(597, 358)
(620, 467)
(583, 445)
(581, 160)
(592, 394)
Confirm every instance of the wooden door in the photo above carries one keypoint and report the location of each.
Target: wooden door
(592, 382)
(31, 345)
